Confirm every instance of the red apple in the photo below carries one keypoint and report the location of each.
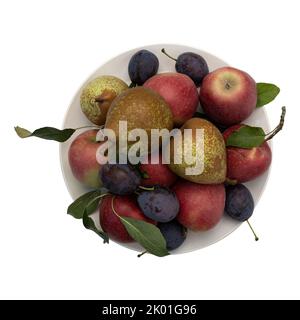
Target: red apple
(201, 205)
(228, 95)
(158, 173)
(125, 206)
(82, 159)
(246, 164)
(180, 93)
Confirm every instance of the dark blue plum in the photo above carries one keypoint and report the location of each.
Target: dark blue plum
(192, 65)
(121, 179)
(239, 203)
(173, 232)
(160, 204)
(142, 66)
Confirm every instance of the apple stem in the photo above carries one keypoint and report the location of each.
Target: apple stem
(141, 254)
(147, 188)
(164, 52)
(273, 133)
(256, 237)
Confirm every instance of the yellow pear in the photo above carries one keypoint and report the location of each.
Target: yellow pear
(142, 108)
(97, 96)
(213, 158)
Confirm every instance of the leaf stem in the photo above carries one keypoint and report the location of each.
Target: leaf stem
(164, 52)
(256, 237)
(112, 206)
(141, 254)
(93, 200)
(273, 133)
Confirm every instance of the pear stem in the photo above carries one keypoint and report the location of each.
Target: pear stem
(141, 254)
(256, 237)
(164, 52)
(273, 133)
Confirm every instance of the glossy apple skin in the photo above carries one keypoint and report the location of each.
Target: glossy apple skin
(179, 91)
(158, 173)
(246, 164)
(228, 95)
(201, 206)
(82, 159)
(125, 206)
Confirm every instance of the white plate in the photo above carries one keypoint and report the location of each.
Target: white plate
(118, 67)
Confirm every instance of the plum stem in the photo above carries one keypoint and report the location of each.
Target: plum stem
(132, 85)
(164, 52)
(85, 127)
(256, 237)
(273, 133)
(231, 182)
(141, 254)
(147, 188)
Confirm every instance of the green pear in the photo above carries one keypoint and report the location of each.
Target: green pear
(213, 158)
(97, 96)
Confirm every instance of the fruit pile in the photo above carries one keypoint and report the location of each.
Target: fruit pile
(152, 202)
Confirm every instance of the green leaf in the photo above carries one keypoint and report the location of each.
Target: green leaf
(47, 133)
(22, 133)
(90, 224)
(266, 92)
(246, 137)
(146, 234)
(85, 203)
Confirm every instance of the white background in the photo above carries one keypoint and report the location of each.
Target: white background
(47, 48)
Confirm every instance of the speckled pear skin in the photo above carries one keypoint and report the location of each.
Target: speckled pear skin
(142, 108)
(214, 154)
(109, 86)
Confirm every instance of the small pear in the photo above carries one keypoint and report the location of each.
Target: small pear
(97, 96)
(142, 108)
(214, 157)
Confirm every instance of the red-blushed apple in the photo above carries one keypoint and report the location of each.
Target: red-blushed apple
(246, 164)
(228, 95)
(158, 173)
(125, 206)
(201, 205)
(82, 159)
(180, 93)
